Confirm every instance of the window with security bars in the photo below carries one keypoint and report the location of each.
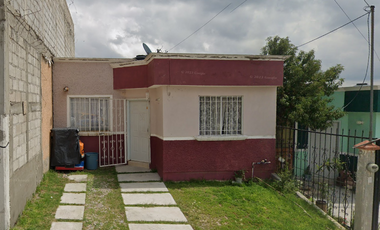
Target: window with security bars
(90, 113)
(220, 115)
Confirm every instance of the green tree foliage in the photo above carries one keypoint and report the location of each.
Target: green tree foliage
(306, 92)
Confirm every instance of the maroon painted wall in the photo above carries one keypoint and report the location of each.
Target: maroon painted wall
(130, 77)
(211, 160)
(157, 149)
(200, 72)
(91, 144)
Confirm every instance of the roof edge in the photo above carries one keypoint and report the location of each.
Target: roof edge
(106, 60)
(241, 57)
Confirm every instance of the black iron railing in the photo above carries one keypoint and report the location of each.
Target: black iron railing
(324, 165)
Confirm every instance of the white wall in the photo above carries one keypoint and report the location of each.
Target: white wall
(180, 110)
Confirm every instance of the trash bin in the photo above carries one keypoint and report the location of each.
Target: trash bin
(64, 147)
(91, 161)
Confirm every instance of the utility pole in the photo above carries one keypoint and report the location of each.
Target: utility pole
(376, 192)
(371, 93)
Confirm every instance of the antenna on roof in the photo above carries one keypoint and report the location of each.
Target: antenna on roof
(146, 48)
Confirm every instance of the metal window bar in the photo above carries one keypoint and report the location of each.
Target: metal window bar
(220, 115)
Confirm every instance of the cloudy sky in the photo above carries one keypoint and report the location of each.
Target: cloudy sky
(117, 28)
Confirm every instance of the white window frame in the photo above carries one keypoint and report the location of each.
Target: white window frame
(210, 134)
(91, 132)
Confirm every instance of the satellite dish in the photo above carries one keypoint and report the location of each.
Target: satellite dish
(146, 48)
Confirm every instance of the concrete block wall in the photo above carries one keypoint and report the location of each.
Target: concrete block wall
(33, 31)
(52, 21)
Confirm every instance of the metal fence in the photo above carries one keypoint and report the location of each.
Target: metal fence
(324, 165)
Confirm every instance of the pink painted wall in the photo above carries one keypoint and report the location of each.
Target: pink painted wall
(156, 111)
(82, 78)
(176, 155)
(177, 110)
(175, 119)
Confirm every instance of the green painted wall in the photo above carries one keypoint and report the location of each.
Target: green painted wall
(338, 99)
(357, 109)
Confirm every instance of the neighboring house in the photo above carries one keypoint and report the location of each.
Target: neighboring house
(189, 116)
(347, 131)
(32, 32)
(356, 103)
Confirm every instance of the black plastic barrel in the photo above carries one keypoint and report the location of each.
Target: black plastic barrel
(91, 161)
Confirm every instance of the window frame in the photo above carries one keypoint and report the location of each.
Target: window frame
(221, 136)
(89, 133)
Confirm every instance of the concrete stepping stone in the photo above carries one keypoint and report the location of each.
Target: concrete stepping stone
(78, 178)
(172, 214)
(66, 226)
(143, 187)
(69, 212)
(73, 198)
(75, 187)
(148, 198)
(128, 169)
(159, 227)
(136, 177)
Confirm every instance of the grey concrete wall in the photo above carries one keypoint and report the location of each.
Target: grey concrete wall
(32, 30)
(4, 123)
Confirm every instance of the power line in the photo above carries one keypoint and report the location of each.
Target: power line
(366, 2)
(356, 27)
(331, 31)
(350, 20)
(238, 6)
(200, 27)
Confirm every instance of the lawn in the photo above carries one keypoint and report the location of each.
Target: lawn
(220, 205)
(206, 205)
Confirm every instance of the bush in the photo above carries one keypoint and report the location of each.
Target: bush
(287, 184)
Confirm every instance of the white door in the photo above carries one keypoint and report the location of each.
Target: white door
(139, 128)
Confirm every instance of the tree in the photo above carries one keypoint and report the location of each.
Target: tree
(306, 92)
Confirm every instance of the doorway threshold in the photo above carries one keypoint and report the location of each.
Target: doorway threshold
(139, 164)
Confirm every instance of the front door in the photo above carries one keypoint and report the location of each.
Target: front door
(139, 131)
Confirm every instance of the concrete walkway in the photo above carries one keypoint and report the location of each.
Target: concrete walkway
(147, 199)
(72, 205)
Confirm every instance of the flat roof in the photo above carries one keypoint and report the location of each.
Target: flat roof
(357, 88)
(123, 62)
(107, 60)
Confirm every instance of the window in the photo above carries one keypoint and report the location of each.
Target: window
(89, 113)
(220, 115)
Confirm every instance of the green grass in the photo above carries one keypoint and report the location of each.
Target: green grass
(104, 207)
(220, 205)
(206, 205)
(40, 210)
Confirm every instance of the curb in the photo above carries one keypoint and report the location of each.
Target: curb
(300, 195)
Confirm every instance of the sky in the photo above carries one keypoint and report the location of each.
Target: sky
(117, 29)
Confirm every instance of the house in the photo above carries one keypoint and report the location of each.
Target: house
(337, 142)
(356, 103)
(189, 116)
(32, 33)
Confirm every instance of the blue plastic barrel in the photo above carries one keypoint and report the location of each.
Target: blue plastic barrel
(91, 161)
